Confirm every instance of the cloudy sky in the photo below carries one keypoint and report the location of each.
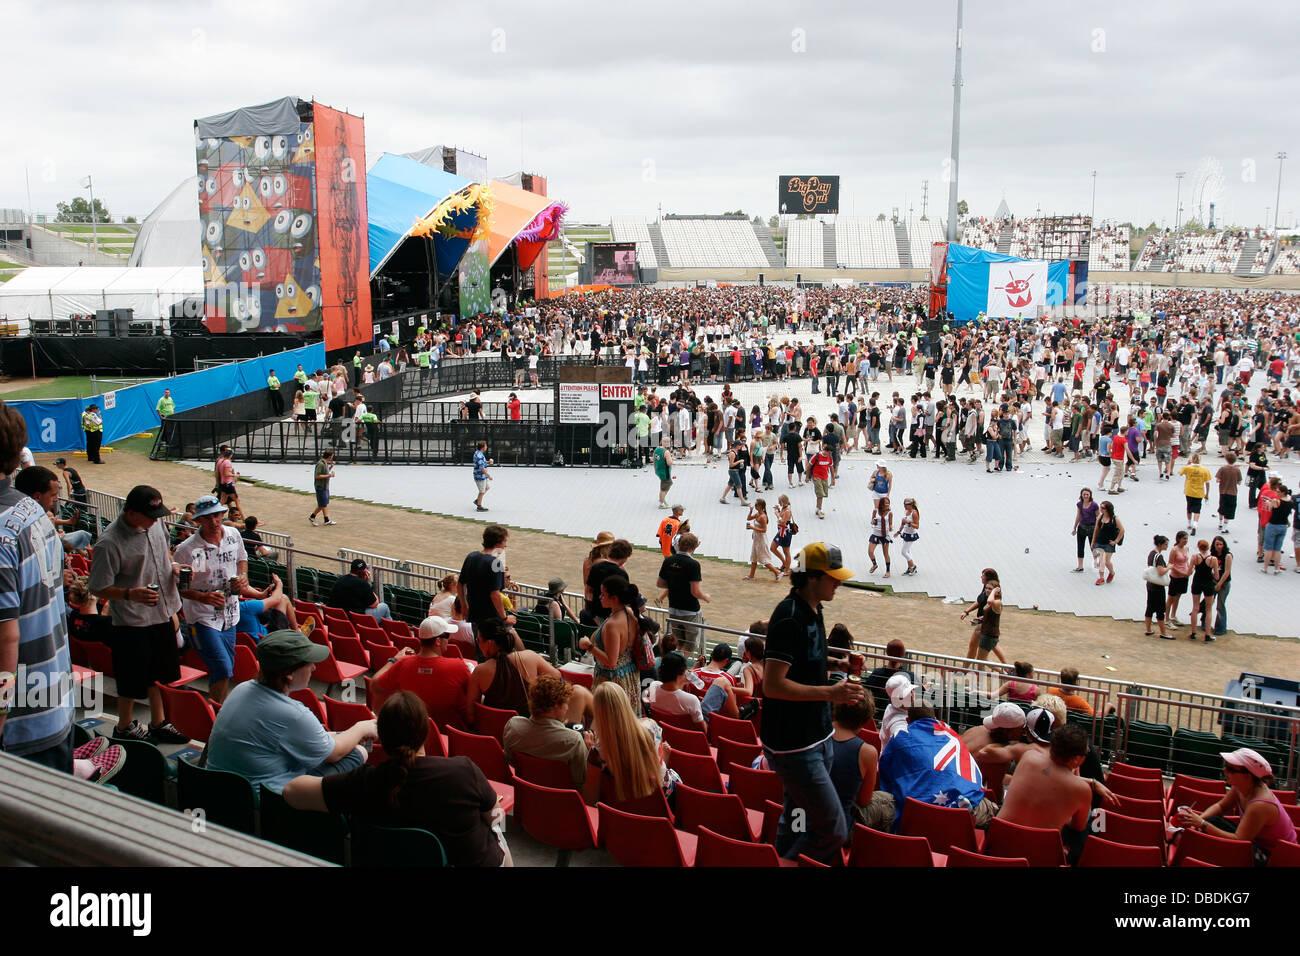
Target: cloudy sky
(693, 106)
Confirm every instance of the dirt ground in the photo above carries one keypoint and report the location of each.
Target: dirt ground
(1097, 646)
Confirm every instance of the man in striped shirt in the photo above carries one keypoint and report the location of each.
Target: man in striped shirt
(35, 719)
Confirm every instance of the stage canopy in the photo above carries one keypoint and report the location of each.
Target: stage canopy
(409, 198)
(523, 218)
(54, 292)
(171, 235)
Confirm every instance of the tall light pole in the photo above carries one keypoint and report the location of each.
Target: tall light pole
(954, 153)
(94, 220)
(1092, 213)
(1178, 211)
(1277, 204)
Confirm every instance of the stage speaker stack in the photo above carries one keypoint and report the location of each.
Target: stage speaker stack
(86, 324)
(42, 326)
(188, 327)
(122, 319)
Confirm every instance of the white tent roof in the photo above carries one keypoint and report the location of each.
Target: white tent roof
(56, 292)
(171, 234)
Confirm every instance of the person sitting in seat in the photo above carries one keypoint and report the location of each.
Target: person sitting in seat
(266, 736)
(354, 593)
(668, 695)
(1002, 729)
(854, 761)
(896, 658)
(1264, 821)
(448, 796)
(441, 682)
(543, 734)
(1046, 790)
(503, 679)
(629, 751)
(1068, 692)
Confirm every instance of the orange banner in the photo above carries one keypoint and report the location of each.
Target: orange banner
(344, 247)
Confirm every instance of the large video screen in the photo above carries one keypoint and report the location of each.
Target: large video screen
(808, 195)
(613, 263)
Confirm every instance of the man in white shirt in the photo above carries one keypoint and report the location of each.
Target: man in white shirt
(219, 577)
(1122, 356)
(1245, 368)
(666, 693)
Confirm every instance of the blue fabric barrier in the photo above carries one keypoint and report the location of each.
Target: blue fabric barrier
(56, 425)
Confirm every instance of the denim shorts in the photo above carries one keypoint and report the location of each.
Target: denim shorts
(217, 648)
(1274, 536)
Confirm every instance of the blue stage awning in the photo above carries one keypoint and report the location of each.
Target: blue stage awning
(400, 192)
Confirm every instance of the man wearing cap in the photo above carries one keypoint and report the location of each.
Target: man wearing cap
(354, 593)
(901, 693)
(796, 709)
(33, 625)
(441, 682)
(219, 578)
(1003, 727)
(132, 569)
(266, 736)
(93, 425)
(670, 528)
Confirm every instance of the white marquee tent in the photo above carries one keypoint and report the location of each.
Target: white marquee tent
(56, 292)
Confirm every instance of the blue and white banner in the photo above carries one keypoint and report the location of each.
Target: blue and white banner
(988, 283)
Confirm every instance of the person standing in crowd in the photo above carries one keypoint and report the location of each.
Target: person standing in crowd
(1107, 535)
(1222, 555)
(680, 576)
(1157, 578)
(909, 532)
(882, 528)
(756, 524)
(785, 531)
(227, 477)
(482, 478)
(76, 489)
(880, 483)
(132, 569)
(820, 471)
(323, 473)
(1180, 569)
(1085, 523)
(33, 618)
(93, 425)
(219, 564)
(663, 464)
(670, 528)
(1229, 480)
(1279, 520)
(797, 727)
(613, 642)
(273, 391)
(1203, 565)
(1196, 482)
(166, 406)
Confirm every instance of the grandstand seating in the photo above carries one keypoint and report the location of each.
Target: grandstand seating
(635, 230)
(1288, 260)
(712, 243)
(862, 243)
(922, 236)
(805, 244)
(982, 234)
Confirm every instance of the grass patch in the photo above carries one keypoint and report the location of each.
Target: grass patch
(141, 444)
(65, 386)
(104, 229)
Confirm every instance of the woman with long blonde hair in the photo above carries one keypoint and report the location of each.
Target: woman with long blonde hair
(627, 749)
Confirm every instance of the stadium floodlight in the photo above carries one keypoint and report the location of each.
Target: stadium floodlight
(953, 156)
(1277, 204)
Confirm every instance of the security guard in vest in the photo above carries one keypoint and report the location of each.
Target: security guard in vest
(93, 425)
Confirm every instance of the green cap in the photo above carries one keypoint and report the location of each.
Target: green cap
(289, 649)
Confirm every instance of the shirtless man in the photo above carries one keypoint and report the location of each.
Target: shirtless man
(1050, 792)
(1002, 728)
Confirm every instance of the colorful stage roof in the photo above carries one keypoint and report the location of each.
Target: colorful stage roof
(404, 195)
(530, 219)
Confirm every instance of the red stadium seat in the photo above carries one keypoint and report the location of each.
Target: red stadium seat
(333, 671)
(349, 650)
(755, 787)
(189, 711)
(1143, 809)
(674, 720)
(1099, 852)
(771, 821)
(713, 849)
(484, 751)
(556, 817)
(806, 861)
(395, 628)
(378, 654)
(1196, 799)
(870, 736)
(634, 840)
(491, 721)
(1133, 831)
(544, 773)
(1135, 787)
(699, 772)
(1139, 773)
(1211, 849)
(1191, 862)
(944, 827)
(1284, 854)
(1039, 846)
(732, 728)
(245, 639)
(435, 745)
(312, 703)
(723, 813)
(958, 857)
(877, 848)
(732, 751)
(341, 716)
(687, 741)
(246, 666)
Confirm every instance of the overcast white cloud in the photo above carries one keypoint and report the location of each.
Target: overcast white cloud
(695, 106)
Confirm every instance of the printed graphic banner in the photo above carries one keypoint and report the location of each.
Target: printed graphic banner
(1016, 289)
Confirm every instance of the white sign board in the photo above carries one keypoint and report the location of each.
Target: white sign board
(110, 401)
(579, 403)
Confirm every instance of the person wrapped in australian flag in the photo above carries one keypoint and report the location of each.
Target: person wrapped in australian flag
(928, 762)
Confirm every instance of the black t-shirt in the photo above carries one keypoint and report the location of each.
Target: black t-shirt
(352, 594)
(598, 573)
(678, 572)
(473, 409)
(90, 627)
(791, 441)
(796, 635)
(1260, 460)
(1281, 512)
(812, 434)
(481, 574)
(336, 406)
(445, 795)
(831, 439)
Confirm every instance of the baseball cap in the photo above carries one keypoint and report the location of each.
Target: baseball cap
(1039, 724)
(358, 564)
(60, 461)
(900, 691)
(677, 509)
(289, 649)
(435, 626)
(209, 505)
(146, 500)
(1005, 716)
(1248, 759)
(820, 556)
